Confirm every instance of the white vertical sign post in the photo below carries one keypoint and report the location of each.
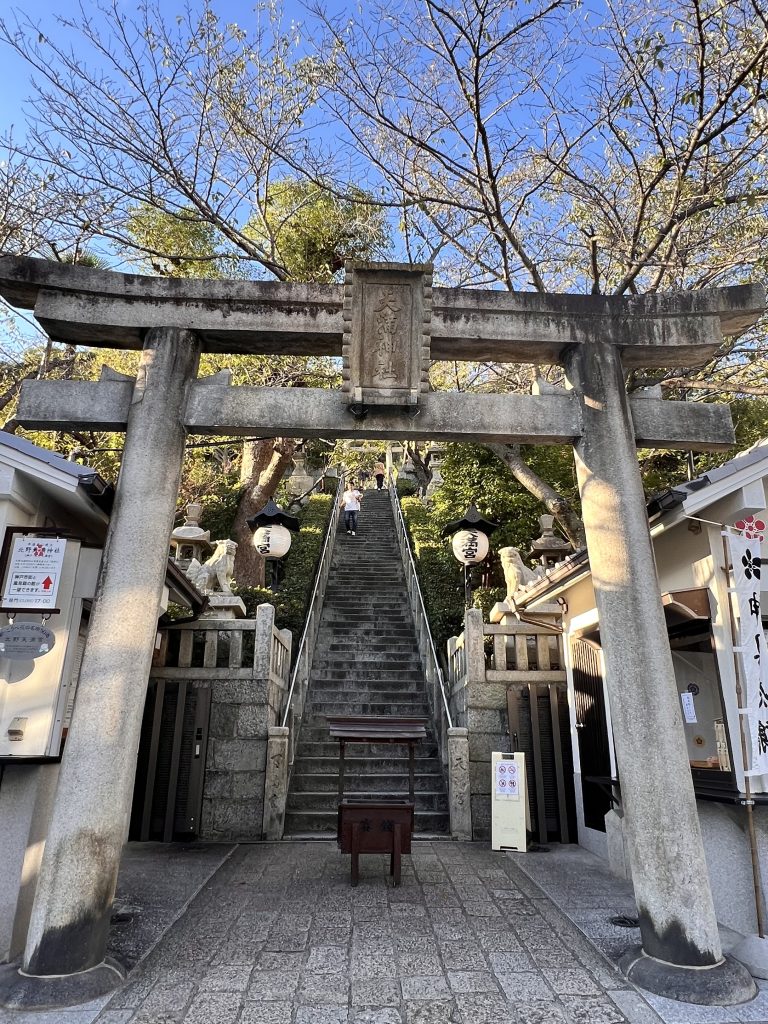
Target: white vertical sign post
(744, 552)
(508, 802)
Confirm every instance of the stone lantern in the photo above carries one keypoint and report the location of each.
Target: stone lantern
(549, 549)
(190, 541)
(300, 481)
(435, 464)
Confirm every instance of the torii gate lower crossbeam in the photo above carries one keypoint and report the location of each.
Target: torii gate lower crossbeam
(681, 954)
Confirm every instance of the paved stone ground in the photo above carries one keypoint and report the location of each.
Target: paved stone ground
(278, 936)
(155, 885)
(589, 895)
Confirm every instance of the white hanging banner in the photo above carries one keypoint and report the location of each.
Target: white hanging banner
(745, 557)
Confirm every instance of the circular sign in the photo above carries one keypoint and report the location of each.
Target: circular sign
(272, 541)
(25, 640)
(470, 546)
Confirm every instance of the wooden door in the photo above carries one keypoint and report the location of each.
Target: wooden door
(592, 731)
(170, 772)
(538, 726)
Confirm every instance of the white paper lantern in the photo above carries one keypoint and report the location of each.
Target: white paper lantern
(272, 541)
(470, 546)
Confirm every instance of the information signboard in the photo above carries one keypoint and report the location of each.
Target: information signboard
(33, 573)
(25, 641)
(509, 800)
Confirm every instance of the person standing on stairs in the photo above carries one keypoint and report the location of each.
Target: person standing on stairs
(378, 471)
(350, 501)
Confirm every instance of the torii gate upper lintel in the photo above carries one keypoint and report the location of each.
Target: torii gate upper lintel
(386, 322)
(98, 308)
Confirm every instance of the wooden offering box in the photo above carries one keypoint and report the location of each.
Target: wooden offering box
(376, 825)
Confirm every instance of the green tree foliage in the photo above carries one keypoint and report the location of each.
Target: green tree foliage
(438, 572)
(312, 231)
(472, 474)
(175, 243)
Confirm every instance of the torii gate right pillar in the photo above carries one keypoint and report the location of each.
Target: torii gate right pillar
(681, 955)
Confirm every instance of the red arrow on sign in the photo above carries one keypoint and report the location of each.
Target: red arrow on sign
(47, 583)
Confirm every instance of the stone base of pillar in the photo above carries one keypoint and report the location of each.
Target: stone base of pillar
(19, 991)
(725, 984)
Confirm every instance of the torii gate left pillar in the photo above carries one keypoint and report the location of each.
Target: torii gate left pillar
(68, 931)
(593, 337)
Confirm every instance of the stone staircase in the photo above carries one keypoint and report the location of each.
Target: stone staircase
(366, 662)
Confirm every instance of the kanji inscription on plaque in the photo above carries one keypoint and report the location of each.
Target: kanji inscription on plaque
(386, 346)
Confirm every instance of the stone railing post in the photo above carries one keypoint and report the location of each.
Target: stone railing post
(262, 640)
(474, 645)
(276, 782)
(459, 802)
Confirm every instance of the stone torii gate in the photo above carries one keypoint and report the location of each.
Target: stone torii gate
(386, 322)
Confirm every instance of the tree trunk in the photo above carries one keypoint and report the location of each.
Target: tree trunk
(265, 462)
(555, 503)
(420, 466)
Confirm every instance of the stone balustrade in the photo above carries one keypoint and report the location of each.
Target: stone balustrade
(485, 663)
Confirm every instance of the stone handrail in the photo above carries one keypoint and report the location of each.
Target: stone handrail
(227, 649)
(281, 747)
(297, 692)
(452, 742)
(487, 664)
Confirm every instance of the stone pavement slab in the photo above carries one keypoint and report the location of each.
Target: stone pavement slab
(576, 890)
(279, 935)
(154, 886)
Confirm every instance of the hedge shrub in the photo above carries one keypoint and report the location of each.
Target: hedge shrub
(440, 576)
(439, 573)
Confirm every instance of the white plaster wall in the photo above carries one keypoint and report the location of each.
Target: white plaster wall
(26, 802)
(729, 860)
(33, 689)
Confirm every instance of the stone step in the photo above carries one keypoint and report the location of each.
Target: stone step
(365, 673)
(315, 746)
(385, 689)
(393, 621)
(400, 645)
(318, 708)
(363, 782)
(297, 822)
(327, 765)
(328, 801)
(368, 621)
(398, 662)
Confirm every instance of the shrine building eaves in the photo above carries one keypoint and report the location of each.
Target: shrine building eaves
(79, 305)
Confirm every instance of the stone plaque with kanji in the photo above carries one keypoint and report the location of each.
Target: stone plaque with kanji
(387, 317)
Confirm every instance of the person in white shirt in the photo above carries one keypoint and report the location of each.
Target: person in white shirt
(350, 501)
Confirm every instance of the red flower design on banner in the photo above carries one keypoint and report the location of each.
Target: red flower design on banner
(753, 529)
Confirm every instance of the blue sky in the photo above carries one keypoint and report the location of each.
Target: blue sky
(15, 74)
